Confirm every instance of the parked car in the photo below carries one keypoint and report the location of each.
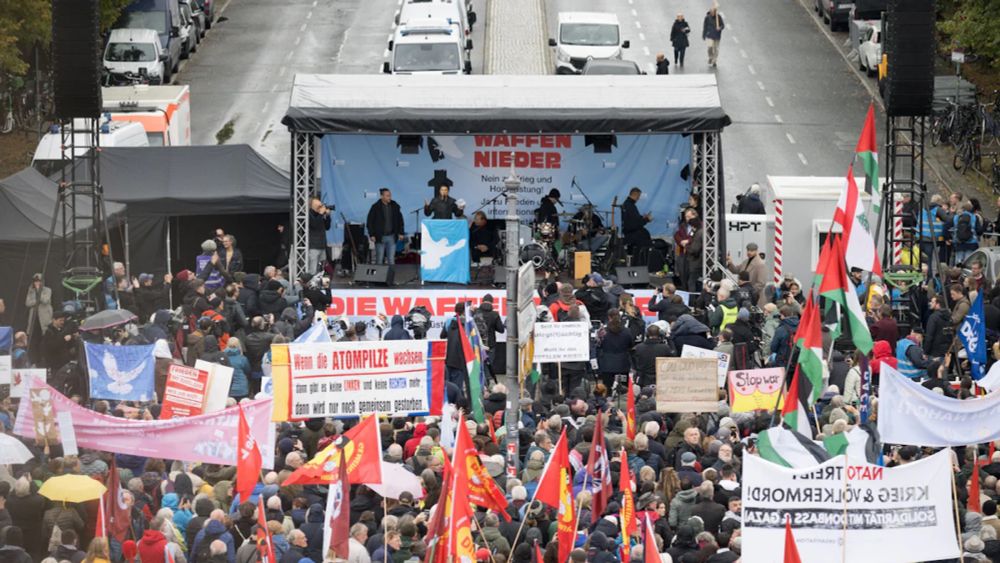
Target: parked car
(134, 55)
(870, 50)
(164, 16)
(429, 47)
(188, 31)
(834, 12)
(610, 66)
(582, 36)
(197, 15)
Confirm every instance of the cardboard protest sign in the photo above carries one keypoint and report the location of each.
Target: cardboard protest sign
(562, 342)
(220, 377)
(723, 358)
(184, 393)
(686, 385)
(756, 389)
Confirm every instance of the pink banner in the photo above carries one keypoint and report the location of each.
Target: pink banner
(207, 438)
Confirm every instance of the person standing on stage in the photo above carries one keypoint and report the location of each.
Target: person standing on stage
(633, 223)
(483, 239)
(319, 224)
(547, 212)
(443, 206)
(385, 226)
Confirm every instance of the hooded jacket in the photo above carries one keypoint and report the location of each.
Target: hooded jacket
(151, 546)
(249, 294)
(688, 330)
(240, 385)
(681, 507)
(313, 529)
(270, 301)
(397, 329)
(781, 344)
(202, 508)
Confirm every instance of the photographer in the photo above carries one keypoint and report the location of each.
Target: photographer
(667, 305)
(753, 266)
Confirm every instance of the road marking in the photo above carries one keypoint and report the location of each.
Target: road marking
(790, 138)
(309, 16)
(638, 25)
(282, 71)
(634, 13)
(769, 101)
(751, 69)
(288, 55)
(388, 39)
(631, 1)
(736, 40)
(302, 27)
(315, 2)
(642, 36)
(778, 118)
(298, 40)
(264, 109)
(743, 53)
(274, 87)
(802, 157)
(761, 85)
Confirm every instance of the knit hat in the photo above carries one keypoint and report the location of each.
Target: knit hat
(143, 278)
(91, 465)
(208, 246)
(974, 545)
(273, 285)
(596, 278)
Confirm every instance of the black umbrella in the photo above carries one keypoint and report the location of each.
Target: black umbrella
(107, 319)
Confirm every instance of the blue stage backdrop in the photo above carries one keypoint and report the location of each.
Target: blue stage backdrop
(354, 167)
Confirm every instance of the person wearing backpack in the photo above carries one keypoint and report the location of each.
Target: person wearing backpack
(966, 230)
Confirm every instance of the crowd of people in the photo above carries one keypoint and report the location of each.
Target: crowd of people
(686, 467)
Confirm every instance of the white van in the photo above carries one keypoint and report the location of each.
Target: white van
(428, 47)
(586, 35)
(48, 158)
(413, 11)
(134, 55)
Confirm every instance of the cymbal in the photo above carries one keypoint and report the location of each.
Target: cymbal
(566, 214)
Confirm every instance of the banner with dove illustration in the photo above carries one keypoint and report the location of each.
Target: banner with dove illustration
(120, 373)
(444, 251)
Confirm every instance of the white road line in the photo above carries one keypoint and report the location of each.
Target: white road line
(645, 51)
(743, 53)
(736, 40)
(634, 13)
(790, 138)
(638, 25)
(751, 69)
(761, 85)
(282, 71)
(274, 87)
(298, 40)
(778, 118)
(769, 101)
(315, 2)
(264, 109)
(802, 157)
(631, 1)
(288, 55)
(642, 36)
(302, 27)
(309, 16)
(389, 38)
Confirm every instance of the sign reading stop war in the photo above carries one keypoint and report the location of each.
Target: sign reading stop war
(562, 342)
(686, 385)
(755, 389)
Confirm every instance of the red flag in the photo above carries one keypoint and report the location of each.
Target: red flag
(101, 529)
(791, 550)
(598, 472)
(435, 364)
(975, 502)
(119, 515)
(539, 556)
(555, 489)
(482, 489)
(436, 528)
(493, 434)
(460, 544)
(249, 462)
(362, 446)
(265, 544)
(650, 553)
(337, 532)
(627, 515)
(630, 411)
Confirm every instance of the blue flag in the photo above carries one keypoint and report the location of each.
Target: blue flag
(316, 333)
(864, 396)
(444, 251)
(120, 373)
(972, 333)
(6, 339)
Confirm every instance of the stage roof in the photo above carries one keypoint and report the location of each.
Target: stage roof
(461, 105)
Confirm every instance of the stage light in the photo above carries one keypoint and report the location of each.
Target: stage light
(409, 144)
(602, 143)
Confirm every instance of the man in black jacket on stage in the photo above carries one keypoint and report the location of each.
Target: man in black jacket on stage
(385, 226)
(634, 223)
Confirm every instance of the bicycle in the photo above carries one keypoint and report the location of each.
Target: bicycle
(968, 154)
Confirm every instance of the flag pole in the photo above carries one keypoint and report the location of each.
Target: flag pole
(958, 525)
(385, 541)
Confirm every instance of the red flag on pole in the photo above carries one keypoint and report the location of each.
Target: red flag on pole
(337, 532)
(539, 556)
(650, 553)
(483, 490)
(460, 544)
(630, 411)
(119, 516)
(101, 529)
(363, 448)
(791, 550)
(975, 503)
(555, 489)
(249, 462)
(627, 516)
(598, 472)
(265, 545)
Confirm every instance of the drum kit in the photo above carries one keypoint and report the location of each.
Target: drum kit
(542, 251)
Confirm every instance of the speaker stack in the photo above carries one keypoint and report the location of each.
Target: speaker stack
(76, 58)
(374, 273)
(632, 276)
(910, 44)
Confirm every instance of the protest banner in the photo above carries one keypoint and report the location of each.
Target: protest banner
(348, 379)
(722, 357)
(892, 515)
(562, 342)
(686, 385)
(120, 373)
(207, 438)
(184, 393)
(220, 377)
(909, 413)
(19, 379)
(755, 389)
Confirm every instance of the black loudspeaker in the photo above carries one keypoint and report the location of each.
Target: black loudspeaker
(629, 276)
(374, 273)
(76, 57)
(910, 44)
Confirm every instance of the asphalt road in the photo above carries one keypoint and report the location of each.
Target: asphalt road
(797, 106)
(243, 70)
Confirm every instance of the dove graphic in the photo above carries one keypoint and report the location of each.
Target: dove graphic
(434, 250)
(120, 379)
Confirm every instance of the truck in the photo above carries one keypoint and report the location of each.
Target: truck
(48, 157)
(163, 111)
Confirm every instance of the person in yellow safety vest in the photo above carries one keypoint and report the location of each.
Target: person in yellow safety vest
(725, 312)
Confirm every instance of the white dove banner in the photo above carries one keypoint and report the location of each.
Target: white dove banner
(120, 373)
(444, 251)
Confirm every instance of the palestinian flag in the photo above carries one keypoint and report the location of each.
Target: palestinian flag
(858, 242)
(809, 339)
(794, 412)
(861, 442)
(867, 152)
(473, 352)
(788, 448)
(838, 288)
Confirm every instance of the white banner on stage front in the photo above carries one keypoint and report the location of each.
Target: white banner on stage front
(909, 413)
(344, 379)
(896, 514)
(562, 342)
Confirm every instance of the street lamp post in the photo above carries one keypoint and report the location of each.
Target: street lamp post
(511, 186)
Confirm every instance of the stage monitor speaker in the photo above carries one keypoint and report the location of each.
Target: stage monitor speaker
(374, 273)
(631, 276)
(910, 44)
(76, 58)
